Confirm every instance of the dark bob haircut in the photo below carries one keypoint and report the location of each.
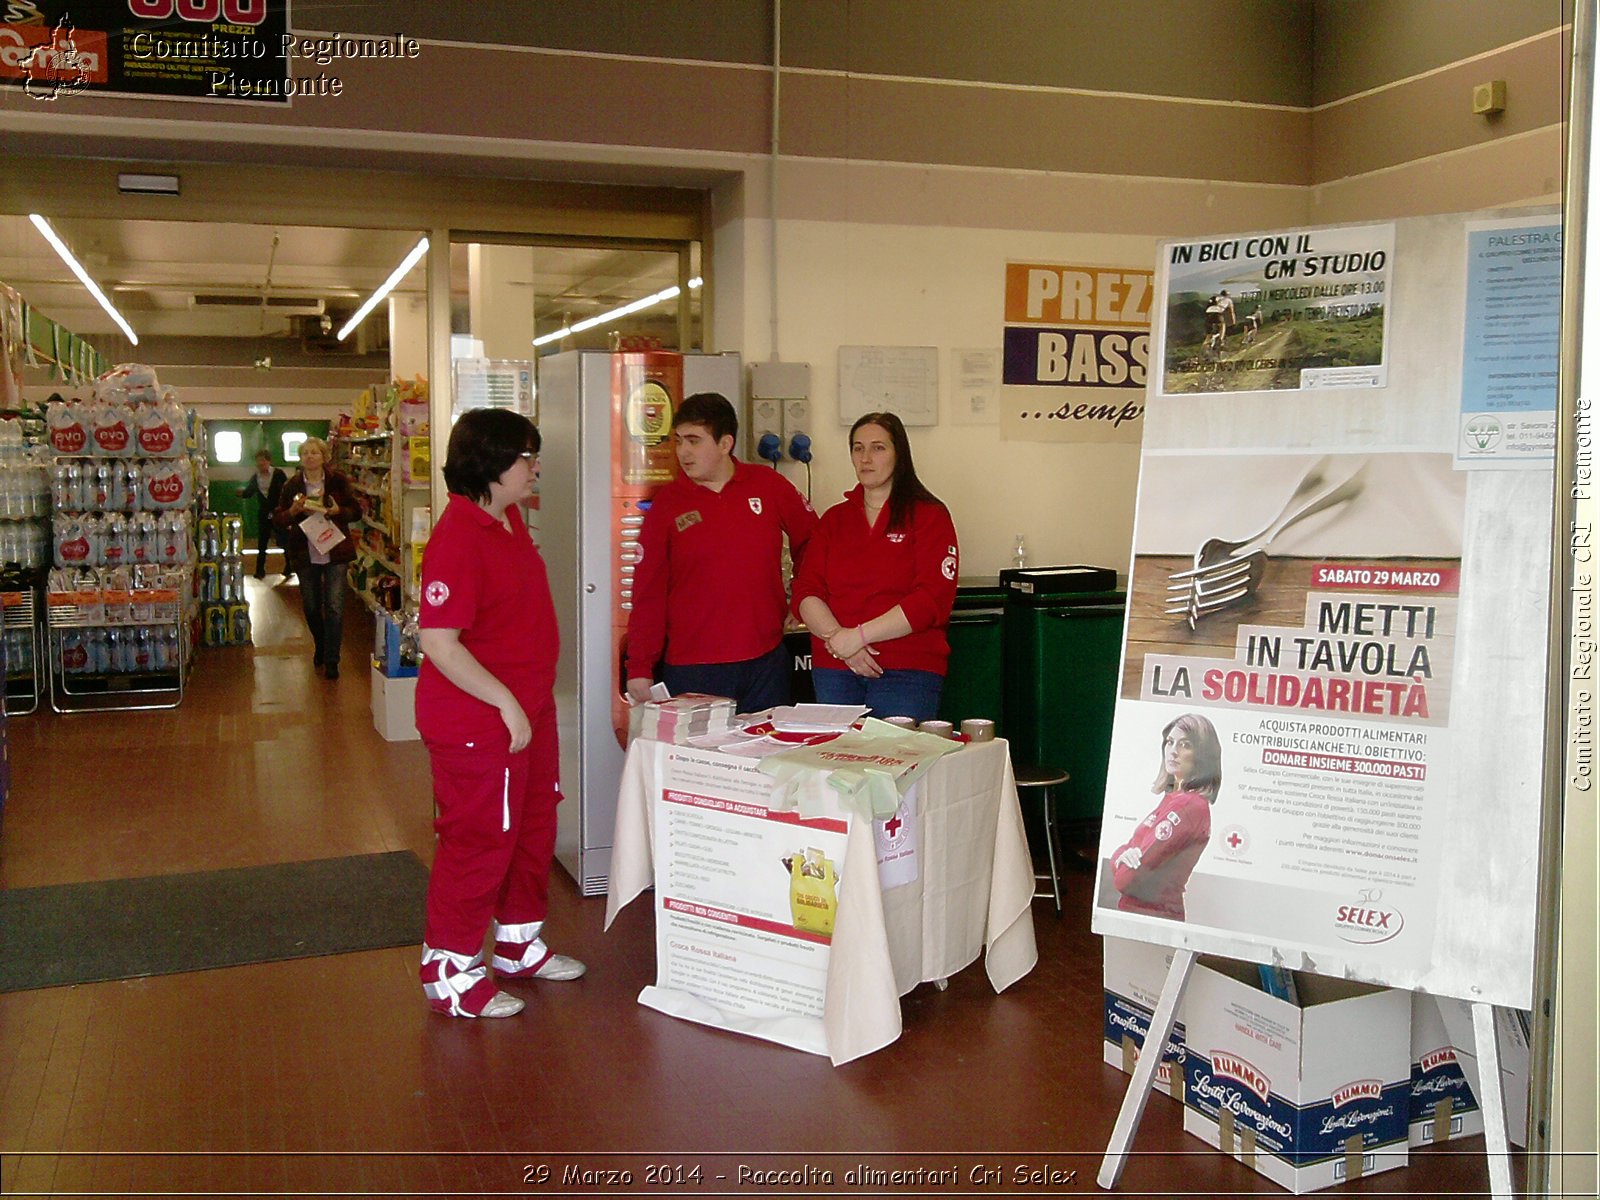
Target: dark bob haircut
(483, 445)
(712, 410)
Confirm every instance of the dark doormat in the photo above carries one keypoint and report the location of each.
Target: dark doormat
(166, 924)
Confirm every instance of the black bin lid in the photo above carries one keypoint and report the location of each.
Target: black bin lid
(1051, 581)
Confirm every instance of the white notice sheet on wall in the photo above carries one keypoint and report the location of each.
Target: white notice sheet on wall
(745, 902)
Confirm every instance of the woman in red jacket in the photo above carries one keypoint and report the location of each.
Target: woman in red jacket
(1152, 868)
(878, 581)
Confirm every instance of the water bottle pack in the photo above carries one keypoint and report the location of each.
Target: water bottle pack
(119, 423)
(113, 484)
(121, 650)
(116, 539)
(19, 652)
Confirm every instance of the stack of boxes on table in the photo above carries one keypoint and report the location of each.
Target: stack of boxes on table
(1337, 1082)
(690, 715)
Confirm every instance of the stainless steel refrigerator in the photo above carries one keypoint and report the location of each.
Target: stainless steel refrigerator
(606, 421)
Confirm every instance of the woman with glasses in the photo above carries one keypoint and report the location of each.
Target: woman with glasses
(316, 488)
(486, 711)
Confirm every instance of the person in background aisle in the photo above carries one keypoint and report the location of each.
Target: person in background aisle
(486, 710)
(878, 582)
(708, 588)
(266, 489)
(318, 488)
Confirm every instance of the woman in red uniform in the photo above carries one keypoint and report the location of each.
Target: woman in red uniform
(878, 581)
(1151, 869)
(486, 711)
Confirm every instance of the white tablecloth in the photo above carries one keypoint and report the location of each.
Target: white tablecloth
(974, 890)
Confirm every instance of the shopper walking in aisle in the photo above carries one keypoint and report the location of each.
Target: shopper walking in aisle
(878, 582)
(318, 490)
(486, 710)
(266, 489)
(1151, 869)
(708, 591)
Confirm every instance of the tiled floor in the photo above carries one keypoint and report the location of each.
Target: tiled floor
(328, 1076)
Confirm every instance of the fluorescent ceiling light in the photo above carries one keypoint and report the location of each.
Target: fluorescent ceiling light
(388, 286)
(626, 310)
(60, 247)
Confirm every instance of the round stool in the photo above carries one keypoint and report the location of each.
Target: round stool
(1043, 781)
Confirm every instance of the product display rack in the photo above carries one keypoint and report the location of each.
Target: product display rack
(377, 466)
(24, 652)
(95, 637)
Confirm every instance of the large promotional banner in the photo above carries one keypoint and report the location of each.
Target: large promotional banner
(1268, 312)
(1278, 765)
(1327, 750)
(1077, 352)
(217, 49)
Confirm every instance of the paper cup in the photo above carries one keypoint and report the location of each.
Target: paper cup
(977, 729)
(938, 728)
(902, 722)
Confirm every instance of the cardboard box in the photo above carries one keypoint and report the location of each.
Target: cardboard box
(386, 648)
(1134, 975)
(1443, 1104)
(394, 707)
(1310, 1095)
(1511, 1033)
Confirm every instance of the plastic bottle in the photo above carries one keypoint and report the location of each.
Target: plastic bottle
(1019, 556)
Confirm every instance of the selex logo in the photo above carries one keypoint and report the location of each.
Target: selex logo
(1368, 922)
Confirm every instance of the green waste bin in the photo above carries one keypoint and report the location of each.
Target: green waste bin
(974, 681)
(1062, 654)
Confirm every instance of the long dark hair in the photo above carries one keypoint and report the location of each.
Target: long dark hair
(1202, 735)
(905, 489)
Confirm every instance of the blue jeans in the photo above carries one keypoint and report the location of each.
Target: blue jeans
(322, 591)
(893, 694)
(754, 684)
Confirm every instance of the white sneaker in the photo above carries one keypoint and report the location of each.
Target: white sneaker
(560, 967)
(504, 1004)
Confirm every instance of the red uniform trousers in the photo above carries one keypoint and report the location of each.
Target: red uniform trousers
(496, 837)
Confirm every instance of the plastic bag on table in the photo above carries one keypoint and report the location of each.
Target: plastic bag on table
(871, 768)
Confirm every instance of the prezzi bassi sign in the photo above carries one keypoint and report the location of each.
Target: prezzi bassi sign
(1077, 349)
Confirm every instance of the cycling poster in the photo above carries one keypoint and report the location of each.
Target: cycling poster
(1297, 309)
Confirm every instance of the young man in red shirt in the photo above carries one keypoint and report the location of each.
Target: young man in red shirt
(708, 594)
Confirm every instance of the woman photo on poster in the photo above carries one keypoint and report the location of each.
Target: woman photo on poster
(1151, 869)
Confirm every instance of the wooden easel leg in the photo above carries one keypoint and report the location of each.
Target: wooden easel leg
(1492, 1100)
(1144, 1074)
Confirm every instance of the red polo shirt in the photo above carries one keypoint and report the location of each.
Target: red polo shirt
(490, 583)
(708, 586)
(862, 571)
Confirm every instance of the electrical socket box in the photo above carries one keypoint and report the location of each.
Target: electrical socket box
(796, 422)
(766, 417)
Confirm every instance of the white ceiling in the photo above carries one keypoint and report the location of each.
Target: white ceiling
(154, 270)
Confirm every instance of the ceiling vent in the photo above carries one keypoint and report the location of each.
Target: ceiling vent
(278, 306)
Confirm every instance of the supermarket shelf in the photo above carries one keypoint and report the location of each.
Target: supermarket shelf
(369, 552)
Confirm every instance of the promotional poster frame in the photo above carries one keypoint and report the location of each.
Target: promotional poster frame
(1521, 767)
